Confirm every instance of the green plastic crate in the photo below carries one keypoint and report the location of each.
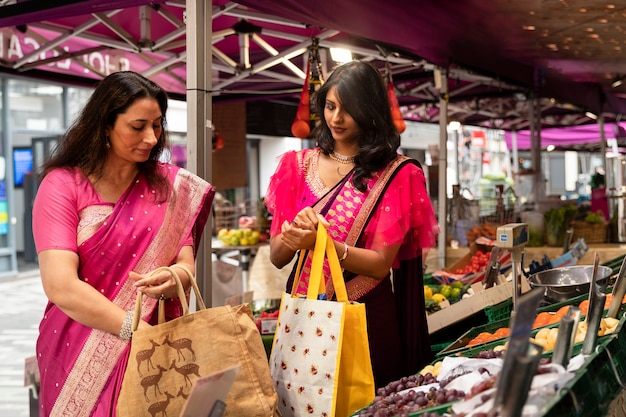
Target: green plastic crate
(596, 384)
(500, 311)
(459, 346)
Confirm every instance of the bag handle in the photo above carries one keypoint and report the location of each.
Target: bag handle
(180, 292)
(324, 247)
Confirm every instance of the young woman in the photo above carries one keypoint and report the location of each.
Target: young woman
(377, 210)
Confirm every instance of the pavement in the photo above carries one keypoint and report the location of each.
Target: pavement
(21, 309)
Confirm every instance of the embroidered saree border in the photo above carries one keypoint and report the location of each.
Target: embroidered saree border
(102, 350)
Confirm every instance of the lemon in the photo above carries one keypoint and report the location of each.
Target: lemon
(439, 297)
(428, 292)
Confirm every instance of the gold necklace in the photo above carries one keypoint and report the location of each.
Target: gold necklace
(343, 175)
(342, 159)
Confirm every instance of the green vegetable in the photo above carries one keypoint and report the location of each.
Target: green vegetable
(457, 284)
(445, 290)
(432, 305)
(557, 221)
(595, 218)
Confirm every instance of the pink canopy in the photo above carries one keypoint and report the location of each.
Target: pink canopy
(572, 137)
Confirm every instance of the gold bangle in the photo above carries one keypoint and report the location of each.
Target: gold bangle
(345, 253)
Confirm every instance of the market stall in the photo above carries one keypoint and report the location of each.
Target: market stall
(567, 356)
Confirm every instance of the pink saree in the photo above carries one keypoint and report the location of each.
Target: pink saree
(395, 209)
(81, 368)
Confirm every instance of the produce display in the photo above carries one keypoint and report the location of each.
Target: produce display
(486, 229)
(239, 237)
(472, 267)
(477, 263)
(437, 295)
(464, 383)
(546, 318)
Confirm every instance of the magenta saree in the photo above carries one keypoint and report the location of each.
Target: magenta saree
(395, 209)
(81, 368)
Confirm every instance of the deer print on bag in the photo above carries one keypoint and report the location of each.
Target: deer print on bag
(146, 355)
(181, 393)
(160, 406)
(152, 380)
(186, 370)
(179, 345)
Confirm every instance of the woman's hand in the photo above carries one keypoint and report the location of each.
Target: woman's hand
(301, 233)
(155, 285)
(163, 283)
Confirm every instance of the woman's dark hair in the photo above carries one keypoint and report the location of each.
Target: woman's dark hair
(84, 145)
(362, 91)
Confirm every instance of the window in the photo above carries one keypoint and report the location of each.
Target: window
(22, 164)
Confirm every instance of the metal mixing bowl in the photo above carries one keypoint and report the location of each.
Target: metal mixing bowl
(561, 284)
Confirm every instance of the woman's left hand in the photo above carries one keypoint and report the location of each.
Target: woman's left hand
(161, 284)
(302, 231)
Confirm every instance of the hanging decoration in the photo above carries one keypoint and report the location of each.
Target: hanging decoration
(217, 141)
(396, 115)
(307, 116)
(300, 127)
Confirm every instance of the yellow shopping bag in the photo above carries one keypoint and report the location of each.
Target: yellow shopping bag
(320, 360)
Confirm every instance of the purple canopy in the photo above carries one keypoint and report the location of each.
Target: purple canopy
(568, 137)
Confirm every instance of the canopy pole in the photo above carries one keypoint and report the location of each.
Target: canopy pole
(199, 114)
(515, 165)
(539, 185)
(443, 163)
(602, 142)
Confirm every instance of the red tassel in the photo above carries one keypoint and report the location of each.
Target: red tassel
(396, 115)
(217, 141)
(300, 127)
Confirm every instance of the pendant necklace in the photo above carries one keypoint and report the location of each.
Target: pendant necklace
(342, 159)
(343, 175)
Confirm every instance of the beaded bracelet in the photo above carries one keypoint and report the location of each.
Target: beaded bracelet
(345, 253)
(126, 332)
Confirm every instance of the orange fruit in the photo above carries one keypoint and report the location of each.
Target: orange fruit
(481, 338)
(562, 311)
(502, 332)
(555, 318)
(584, 307)
(542, 319)
(476, 341)
(608, 301)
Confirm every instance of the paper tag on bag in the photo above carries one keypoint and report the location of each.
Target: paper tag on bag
(209, 393)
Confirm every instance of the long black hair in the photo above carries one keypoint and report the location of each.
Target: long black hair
(84, 143)
(362, 91)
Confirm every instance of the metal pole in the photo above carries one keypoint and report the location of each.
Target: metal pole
(199, 115)
(603, 144)
(443, 165)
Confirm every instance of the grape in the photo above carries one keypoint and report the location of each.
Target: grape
(421, 401)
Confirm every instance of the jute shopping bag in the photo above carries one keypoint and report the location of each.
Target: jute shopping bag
(320, 360)
(166, 359)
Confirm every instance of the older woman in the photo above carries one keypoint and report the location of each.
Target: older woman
(107, 214)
